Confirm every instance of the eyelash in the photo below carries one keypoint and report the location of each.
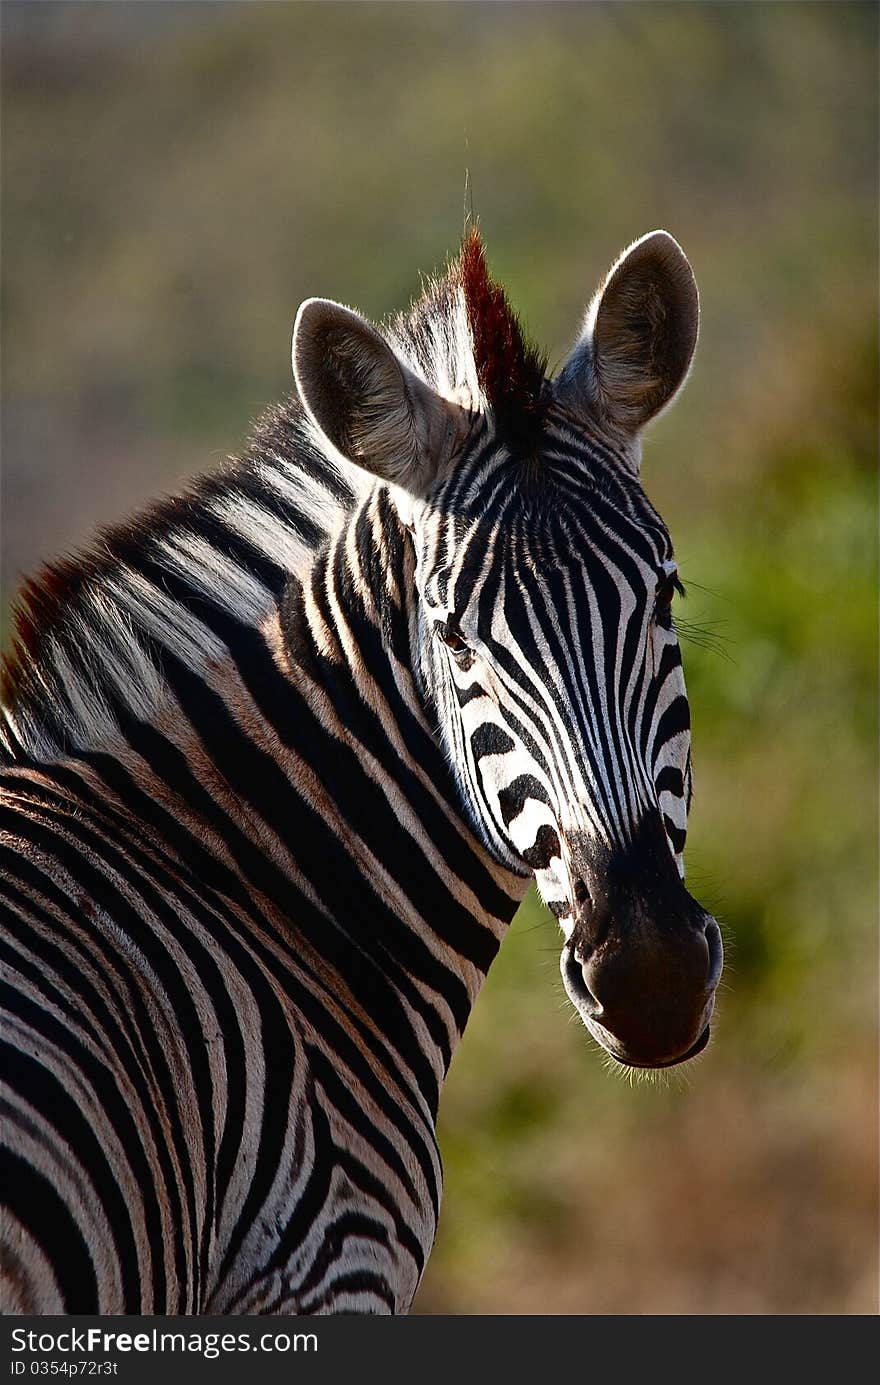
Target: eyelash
(666, 588)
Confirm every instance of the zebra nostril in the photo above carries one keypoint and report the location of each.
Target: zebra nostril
(581, 893)
(573, 959)
(716, 953)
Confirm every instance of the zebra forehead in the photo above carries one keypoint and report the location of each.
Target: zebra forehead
(502, 510)
(561, 560)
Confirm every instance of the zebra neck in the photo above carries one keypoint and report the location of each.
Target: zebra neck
(430, 894)
(302, 752)
(266, 726)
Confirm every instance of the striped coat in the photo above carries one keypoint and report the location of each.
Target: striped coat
(278, 762)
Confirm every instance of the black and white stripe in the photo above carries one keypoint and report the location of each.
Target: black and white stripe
(278, 759)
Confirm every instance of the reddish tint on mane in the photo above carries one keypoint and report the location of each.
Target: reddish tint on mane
(38, 604)
(509, 368)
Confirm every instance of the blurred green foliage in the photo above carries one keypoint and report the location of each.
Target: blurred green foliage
(178, 177)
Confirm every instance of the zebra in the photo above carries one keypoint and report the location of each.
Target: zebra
(279, 758)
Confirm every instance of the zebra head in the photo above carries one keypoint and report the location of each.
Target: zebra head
(542, 627)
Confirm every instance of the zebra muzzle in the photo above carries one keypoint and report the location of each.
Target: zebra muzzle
(648, 1003)
(643, 959)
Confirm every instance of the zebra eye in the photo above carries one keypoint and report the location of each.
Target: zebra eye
(447, 632)
(666, 588)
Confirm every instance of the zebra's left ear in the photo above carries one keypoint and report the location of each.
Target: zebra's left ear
(365, 401)
(638, 340)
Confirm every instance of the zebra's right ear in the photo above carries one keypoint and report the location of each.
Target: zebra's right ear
(365, 401)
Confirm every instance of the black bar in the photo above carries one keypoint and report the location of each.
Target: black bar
(265, 1350)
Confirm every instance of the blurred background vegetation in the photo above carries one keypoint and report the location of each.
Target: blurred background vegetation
(176, 178)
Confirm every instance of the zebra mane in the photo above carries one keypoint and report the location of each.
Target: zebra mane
(465, 341)
(92, 630)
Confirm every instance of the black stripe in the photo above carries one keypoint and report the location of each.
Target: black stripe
(381, 1085)
(48, 1219)
(514, 797)
(108, 897)
(38, 1087)
(545, 847)
(354, 1283)
(124, 1048)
